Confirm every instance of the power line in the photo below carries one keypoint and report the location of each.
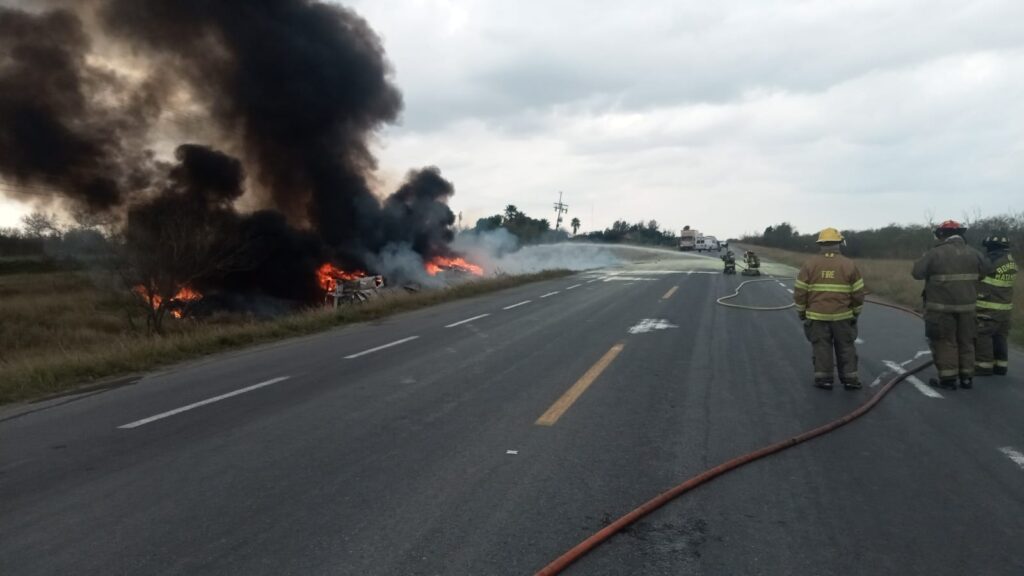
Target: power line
(29, 190)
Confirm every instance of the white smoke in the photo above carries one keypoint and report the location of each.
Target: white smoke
(400, 264)
(498, 252)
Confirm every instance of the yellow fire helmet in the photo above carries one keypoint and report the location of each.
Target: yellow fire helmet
(829, 235)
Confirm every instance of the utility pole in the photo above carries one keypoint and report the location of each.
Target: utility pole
(560, 209)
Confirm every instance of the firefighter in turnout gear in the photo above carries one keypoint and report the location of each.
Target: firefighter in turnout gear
(829, 295)
(753, 262)
(994, 307)
(951, 271)
(729, 261)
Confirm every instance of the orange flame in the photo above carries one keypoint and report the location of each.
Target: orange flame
(328, 276)
(440, 263)
(184, 295)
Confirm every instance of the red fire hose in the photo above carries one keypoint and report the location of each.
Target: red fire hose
(578, 551)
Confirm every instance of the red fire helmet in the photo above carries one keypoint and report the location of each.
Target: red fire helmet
(951, 225)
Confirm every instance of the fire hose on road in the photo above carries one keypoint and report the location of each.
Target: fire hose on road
(722, 301)
(581, 549)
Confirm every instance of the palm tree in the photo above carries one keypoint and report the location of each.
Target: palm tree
(575, 225)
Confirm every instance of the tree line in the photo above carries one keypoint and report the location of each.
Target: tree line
(900, 241)
(532, 230)
(528, 230)
(648, 233)
(42, 234)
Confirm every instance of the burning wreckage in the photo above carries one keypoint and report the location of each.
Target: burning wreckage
(345, 287)
(91, 90)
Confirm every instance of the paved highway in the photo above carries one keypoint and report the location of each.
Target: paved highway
(488, 436)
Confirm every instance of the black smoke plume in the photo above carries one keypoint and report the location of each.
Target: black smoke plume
(291, 91)
(59, 127)
(302, 85)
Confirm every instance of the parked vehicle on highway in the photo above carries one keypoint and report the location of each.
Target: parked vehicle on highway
(688, 239)
(707, 243)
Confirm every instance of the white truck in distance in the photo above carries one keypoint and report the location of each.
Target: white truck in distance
(688, 239)
(709, 243)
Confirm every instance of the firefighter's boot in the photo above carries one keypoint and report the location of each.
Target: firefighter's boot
(967, 383)
(823, 384)
(852, 385)
(948, 384)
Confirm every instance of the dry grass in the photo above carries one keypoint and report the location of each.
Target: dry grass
(60, 331)
(891, 281)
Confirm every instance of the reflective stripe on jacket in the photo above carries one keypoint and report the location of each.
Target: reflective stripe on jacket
(995, 291)
(829, 287)
(951, 271)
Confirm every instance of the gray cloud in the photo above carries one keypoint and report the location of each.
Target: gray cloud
(857, 114)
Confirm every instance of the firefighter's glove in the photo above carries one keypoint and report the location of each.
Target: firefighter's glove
(853, 321)
(802, 316)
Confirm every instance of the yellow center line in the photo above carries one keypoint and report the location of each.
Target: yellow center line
(670, 292)
(572, 394)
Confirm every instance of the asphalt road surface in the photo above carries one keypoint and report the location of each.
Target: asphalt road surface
(488, 436)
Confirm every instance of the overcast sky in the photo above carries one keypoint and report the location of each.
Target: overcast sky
(727, 116)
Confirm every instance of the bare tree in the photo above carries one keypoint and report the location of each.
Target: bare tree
(169, 245)
(39, 224)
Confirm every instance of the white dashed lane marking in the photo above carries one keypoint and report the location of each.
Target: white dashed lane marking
(517, 305)
(1013, 455)
(379, 348)
(195, 405)
(460, 322)
(550, 294)
(574, 286)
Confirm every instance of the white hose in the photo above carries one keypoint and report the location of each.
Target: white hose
(722, 302)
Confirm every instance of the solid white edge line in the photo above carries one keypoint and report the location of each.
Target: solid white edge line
(550, 294)
(467, 320)
(574, 286)
(921, 386)
(1014, 455)
(163, 415)
(379, 348)
(523, 303)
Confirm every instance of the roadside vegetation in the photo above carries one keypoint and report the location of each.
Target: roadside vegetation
(899, 241)
(890, 279)
(529, 230)
(63, 329)
(647, 233)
